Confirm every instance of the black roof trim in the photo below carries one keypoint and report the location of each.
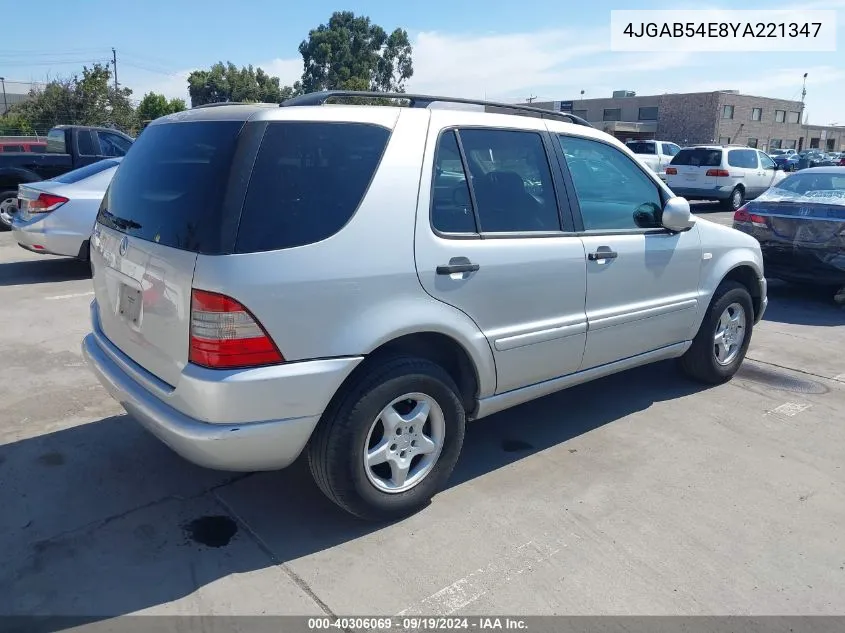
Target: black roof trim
(423, 101)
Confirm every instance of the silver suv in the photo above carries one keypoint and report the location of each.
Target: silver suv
(356, 282)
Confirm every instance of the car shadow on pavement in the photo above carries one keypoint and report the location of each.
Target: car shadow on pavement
(802, 305)
(39, 271)
(101, 519)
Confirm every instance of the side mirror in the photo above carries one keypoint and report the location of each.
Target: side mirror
(677, 215)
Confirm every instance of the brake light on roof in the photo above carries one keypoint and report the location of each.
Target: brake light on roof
(718, 173)
(225, 335)
(671, 171)
(742, 215)
(45, 203)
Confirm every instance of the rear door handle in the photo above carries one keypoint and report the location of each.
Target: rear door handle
(603, 252)
(457, 265)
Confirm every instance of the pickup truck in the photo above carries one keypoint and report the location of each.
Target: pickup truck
(68, 147)
(654, 154)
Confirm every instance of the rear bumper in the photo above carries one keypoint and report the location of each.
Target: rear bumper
(52, 240)
(703, 193)
(247, 446)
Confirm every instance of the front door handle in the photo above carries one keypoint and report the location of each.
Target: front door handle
(603, 252)
(457, 265)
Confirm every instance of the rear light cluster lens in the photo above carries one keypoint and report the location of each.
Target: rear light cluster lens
(225, 335)
(45, 203)
(718, 173)
(671, 171)
(742, 215)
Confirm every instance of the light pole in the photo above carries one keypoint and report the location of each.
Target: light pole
(806, 129)
(5, 104)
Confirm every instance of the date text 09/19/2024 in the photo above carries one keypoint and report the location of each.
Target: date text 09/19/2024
(418, 623)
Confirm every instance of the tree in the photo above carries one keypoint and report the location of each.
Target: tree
(225, 82)
(155, 105)
(90, 99)
(352, 53)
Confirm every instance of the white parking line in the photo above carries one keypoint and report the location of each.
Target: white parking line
(471, 587)
(790, 409)
(70, 296)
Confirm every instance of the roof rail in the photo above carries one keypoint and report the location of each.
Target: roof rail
(423, 101)
(218, 104)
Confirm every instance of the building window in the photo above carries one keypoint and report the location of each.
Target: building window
(752, 142)
(612, 114)
(756, 114)
(776, 143)
(580, 113)
(794, 117)
(780, 116)
(727, 112)
(648, 113)
(789, 145)
(724, 140)
(814, 143)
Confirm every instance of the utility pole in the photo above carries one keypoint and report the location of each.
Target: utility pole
(114, 63)
(5, 103)
(806, 129)
(531, 99)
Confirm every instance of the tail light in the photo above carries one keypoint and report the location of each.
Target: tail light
(671, 171)
(45, 203)
(742, 215)
(225, 335)
(718, 173)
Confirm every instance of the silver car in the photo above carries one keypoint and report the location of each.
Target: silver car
(57, 216)
(358, 282)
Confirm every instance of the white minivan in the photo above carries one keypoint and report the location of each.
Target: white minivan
(730, 174)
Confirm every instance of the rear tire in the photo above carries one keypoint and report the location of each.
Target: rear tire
(8, 207)
(736, 199)
(702, 360)
(360, 422)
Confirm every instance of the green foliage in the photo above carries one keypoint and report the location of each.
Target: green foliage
(87, 100)
(155, 105)
(225, 82)
(352, 53)
(15, 125)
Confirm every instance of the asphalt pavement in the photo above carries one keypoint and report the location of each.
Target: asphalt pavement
(642, 493)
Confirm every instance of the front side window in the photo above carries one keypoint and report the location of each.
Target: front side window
(613, 191)
(745, 158)
(112, 144)
(85, 143)
(766, 162)
(511, 180)
(670, 149)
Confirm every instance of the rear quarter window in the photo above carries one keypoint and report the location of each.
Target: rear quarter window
(307, 181)
(698, 157)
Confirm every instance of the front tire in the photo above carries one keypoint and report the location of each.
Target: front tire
(721, 343)
(390, 440)
(8, 208)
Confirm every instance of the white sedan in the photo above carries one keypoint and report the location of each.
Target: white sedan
(56, 216)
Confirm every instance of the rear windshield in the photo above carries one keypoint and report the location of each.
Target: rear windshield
(169, 188)
(698, 157)
(307, 182)
(84, 172)
(642, 148)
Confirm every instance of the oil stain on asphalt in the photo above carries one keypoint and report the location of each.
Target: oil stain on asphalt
(778, 380)
(212, 531)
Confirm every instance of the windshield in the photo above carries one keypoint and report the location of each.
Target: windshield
(642, 147)
(698, 157)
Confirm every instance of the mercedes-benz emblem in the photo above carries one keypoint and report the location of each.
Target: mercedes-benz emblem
(124, 244)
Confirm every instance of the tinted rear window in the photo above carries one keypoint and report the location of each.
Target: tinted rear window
(642, 148)
(698, 157)
(307, 182)
(84, 172)
(169, 188)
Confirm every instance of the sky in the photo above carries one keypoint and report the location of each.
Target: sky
(508, 51)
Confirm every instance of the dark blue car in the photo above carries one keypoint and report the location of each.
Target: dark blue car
(786, 161)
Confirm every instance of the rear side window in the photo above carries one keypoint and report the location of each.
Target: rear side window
(169, 188)
(84, 172)
(642, 147)
(56, 142)
(307, 181)
(698, 157)
(746, 158)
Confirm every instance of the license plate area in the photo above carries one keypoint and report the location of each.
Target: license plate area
(129, 304)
